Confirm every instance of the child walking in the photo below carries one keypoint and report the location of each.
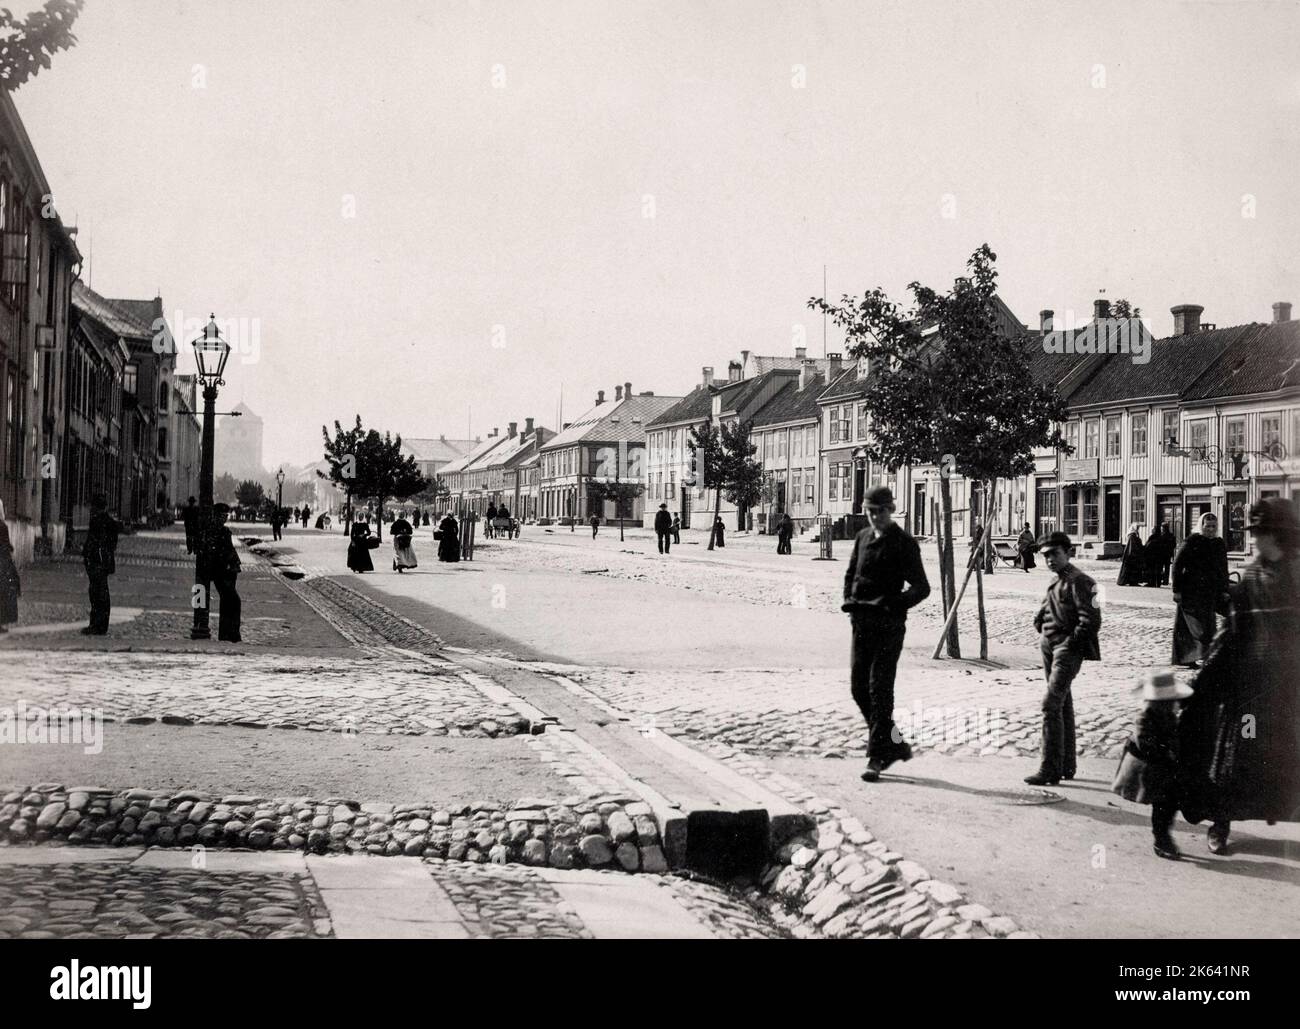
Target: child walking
(1148, 769)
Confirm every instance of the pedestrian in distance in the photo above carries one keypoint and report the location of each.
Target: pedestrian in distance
(884, 557)
(1168, 544)
(359, 548)
(190, 518)
(306, 516)
(403, 552)
(784, 533)
(1068, 622)
(595, 524)
(277, 522)
(99, 555)
(448, 536)
(1133, 561)
(488, 522)
(719, 532)
(222, 566)
(1200, 585)
(664, 529)
(1148, 771)
(677, 530)
(1153, 561)
(1025, 547)
(1239, 737)
(10, 585)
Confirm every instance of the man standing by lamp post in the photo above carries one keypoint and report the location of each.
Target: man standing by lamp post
(210, 353)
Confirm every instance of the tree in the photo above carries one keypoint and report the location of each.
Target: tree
(1121, 308)
(27, 45)
(742, 476)
(384, 472)
(250, 495)
(433, 492)
(705, 443)
(341, 456)
(961, 399)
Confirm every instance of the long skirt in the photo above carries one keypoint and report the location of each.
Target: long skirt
(1027, 558)
(449, 548)
(403, 553)
(359, 558)
(1193, 630)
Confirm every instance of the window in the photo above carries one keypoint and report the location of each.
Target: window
(833, 484)
(796, 482)
(1168, 426)
(1137, 503)
(1234, 434)
(1112, 436)
(810, 442)
(129, 374)
(1270, 431)
(1138, 437)
(769, 448)
(834, 415)
(1090, 510)
(862, 421)
(1071, 512)
(1072, 437)
(810, 486)
(781, 445)
(162, 442)
(1198, 435)
(162, 396)
(1091, 432)
(846, 422)
(796, 443)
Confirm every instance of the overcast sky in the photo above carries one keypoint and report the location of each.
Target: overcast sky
(499, 163)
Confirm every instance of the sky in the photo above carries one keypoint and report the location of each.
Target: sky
(440, 215)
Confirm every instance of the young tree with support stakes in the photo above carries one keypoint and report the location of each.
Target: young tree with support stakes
(960, 398)
(705, 443)
(385, 473)
(742, 476)
(341, 456)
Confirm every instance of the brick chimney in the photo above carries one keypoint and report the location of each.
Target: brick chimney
(1045, 319)
(528, 426)
(496, 431)
(1282, 311)
(800, 353)
(514, 428)
(807, 369)
(706, 376)
(835, 362)
(618, 394)
(627, 391)
(733, 371)
(600, 397)
(1187, 318)
(1101, 308)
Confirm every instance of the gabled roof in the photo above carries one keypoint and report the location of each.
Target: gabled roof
(111, 314)
(791, 403)
(510, 449)
(696, 406)
(440, 449)
(461, 464)
(1263, 358)
(622, 421)
(846, 384)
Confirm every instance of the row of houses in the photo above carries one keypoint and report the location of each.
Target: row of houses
(1209, 421)
(90, 404)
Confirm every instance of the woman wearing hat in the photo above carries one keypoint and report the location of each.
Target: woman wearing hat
(1148, 770)
(1240, 734)
(1200, 581)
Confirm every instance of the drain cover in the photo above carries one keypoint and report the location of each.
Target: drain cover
(1030, 797)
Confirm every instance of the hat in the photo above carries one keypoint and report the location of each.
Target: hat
(663, 507)
(1274, 515)
(879, 496)
(1055, 539)
(1163, 686)
(220, 509)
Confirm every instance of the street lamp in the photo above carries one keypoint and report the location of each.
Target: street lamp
(210, 353)
(279, 492)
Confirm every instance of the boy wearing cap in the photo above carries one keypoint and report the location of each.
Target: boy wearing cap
(884, 557)
(1148, 769)
(1069, 622)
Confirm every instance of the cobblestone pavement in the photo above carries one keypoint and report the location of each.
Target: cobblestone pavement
(114, 900)
(506, 902)
(341, 695)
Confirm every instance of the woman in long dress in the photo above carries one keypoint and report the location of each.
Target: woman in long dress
(10, 586)
(403, 552)
(359, 548)
(448, 539)
(1133, 563)
(1227, 774)
(1025, 546)
(1200, 582)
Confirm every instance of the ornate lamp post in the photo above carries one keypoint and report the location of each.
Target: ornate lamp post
(210, 353)
(279, 492)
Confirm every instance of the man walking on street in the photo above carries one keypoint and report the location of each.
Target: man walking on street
(595, 524)
(664, 528)
(99, 555)
(1069, 621)
(222, 570)
(884, 557)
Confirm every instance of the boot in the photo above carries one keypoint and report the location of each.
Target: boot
(1043, 778)
(1216, 837)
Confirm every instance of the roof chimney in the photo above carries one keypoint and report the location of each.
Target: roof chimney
(800, 353)
(733, 371)
(707, 372)
(528, 426)
(806, 371)
(834, 362)
(514, 427)
(627, 391)
(744, 360)
(1282, 311)
(1101, 308)
(618, 394)
(600, 397)
(1187, 318)
(1045, 318)
(442, 438)
(496, 430)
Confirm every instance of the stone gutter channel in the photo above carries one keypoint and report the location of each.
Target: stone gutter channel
(642, 803)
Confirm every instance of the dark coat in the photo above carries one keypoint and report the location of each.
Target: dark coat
(1240, 731)
(401, 527)
(10, 586)
(1070, 614)
(1133, 563)
(219, 556)
(358, 549)
(99, 552)
(1148, 769)
(1025, 544)
(1199, 580)
(663, 522)
(785, 528)
(877, 569)
(448, 540)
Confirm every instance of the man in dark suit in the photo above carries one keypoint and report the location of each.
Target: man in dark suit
(222, 562)
(664, 529)
(99, 555)
(1069, 622)
(884, 557)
